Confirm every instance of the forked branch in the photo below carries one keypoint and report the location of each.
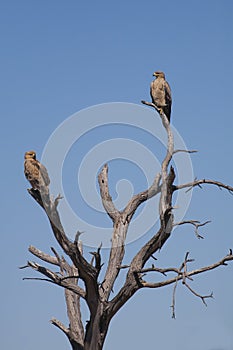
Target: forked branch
(195, 223)
(133, 280)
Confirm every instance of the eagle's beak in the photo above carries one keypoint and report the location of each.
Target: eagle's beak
(154, 74)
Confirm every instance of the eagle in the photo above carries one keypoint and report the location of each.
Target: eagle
(36, 173)
(160, 92)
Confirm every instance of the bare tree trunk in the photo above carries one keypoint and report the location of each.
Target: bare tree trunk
(96, 331)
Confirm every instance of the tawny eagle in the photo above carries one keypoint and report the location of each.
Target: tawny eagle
(36, 173)
(160, 92)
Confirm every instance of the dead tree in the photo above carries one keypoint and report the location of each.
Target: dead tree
(97, 294)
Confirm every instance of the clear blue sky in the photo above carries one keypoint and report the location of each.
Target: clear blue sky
(59, 57)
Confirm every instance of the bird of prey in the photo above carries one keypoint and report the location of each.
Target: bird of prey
(36, 173)
(160, 92)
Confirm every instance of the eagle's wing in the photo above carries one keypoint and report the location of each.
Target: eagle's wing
(44, 174)
(168, 100)
(168, 94)
(151, 90)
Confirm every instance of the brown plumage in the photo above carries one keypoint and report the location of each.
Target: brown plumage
(36, 173)
(160, 92)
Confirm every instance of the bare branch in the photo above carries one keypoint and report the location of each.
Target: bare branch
(43, 256)
(195, 223)
(73, 338)
(153, 257)
(202, 297)
(70, 277)
(161, 113)
(195, 183)
(123, 267)
(104, 192)
(56, 279)
(59, 260)
(37, 196)
(57, 200)
(184, 151)
(58, 230)
(183, 275)
(160, 270)
(97, 257)
(87, 272)
(78, 234)
(36, 278)
(116, 256)
(166, 124)
(119, 235)
(60, 325)
(151, 104)
(173, 306)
